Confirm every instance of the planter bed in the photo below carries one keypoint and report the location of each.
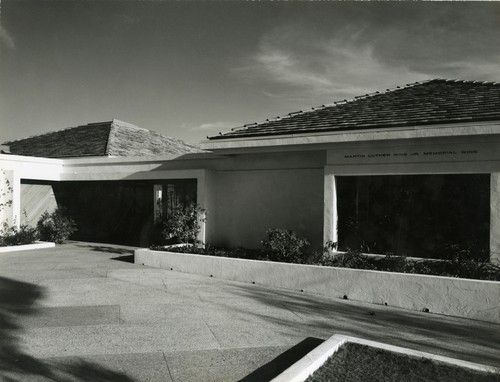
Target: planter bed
(25, 247)
(350, 359)
(475, 299)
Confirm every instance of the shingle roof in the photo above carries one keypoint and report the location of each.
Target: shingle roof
(112, 138)
(435, 101)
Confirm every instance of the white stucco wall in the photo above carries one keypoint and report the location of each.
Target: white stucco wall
(35, 200)
(14, 168)
(250, 202)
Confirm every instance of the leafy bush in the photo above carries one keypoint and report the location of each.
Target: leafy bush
(55, 226)
(284, 245)
(349, 259)
(210, 250)
(183, 225)
(287, 247)
(462, 266)
(458, 266)
(17, 236)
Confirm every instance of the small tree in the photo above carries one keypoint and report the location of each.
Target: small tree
(55, 226)
(183, 225)
(5, 192)
(284, 245)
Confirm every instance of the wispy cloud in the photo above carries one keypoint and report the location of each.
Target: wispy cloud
(289, 68)
(215, 126)
(295, 62)
(371, 53)
(6, 38)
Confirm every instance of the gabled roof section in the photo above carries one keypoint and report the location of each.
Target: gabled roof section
(430, 102)
(112, 138)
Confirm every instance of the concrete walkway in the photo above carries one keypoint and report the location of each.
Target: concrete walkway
(80, 312)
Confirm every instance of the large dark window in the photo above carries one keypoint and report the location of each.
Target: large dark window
(121, 212)
(415, 215)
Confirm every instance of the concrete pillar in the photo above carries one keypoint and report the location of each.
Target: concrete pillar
(10, 198)
(206, 191)
(495, 217)
(330, 214)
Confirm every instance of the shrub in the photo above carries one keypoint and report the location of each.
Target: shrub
(458, 266)
(349, 259)
(284, 245)
(183, 225)
(55, 226)
(17, 236)
(210, 250)
(287, 247)
(462, 266)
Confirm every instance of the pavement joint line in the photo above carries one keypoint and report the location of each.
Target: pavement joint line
(290, 310)
(168, 368)
(213, 334)
(120, 321)
(195, 291)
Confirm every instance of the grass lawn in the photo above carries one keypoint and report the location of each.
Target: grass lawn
(355, 362)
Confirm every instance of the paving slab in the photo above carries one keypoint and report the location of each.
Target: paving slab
(116, 339)
(104, 291)
(82, 312)
(222, 357)
(70, 316)
(251, 334)
(221, 365)
(212, 374)
(46, 274)
(102, 368)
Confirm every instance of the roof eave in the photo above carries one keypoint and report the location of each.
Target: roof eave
(407, 132)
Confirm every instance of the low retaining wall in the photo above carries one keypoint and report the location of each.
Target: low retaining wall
(25, 247)
(475, 299)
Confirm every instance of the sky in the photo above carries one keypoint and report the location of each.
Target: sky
(192, 69)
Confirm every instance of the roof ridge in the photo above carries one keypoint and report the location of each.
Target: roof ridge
(259, 125)
(324, 106)
(111, 130)
(119, 123)
(471, 81)
(59, 131)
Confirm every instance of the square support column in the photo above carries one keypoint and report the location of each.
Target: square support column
(206, 191)
(495, 217)
(330, 214)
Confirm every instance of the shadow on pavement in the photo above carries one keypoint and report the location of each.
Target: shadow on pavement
(470, 340)
(18, 299)
(272, 369)
(126, 258)
(107, 249)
